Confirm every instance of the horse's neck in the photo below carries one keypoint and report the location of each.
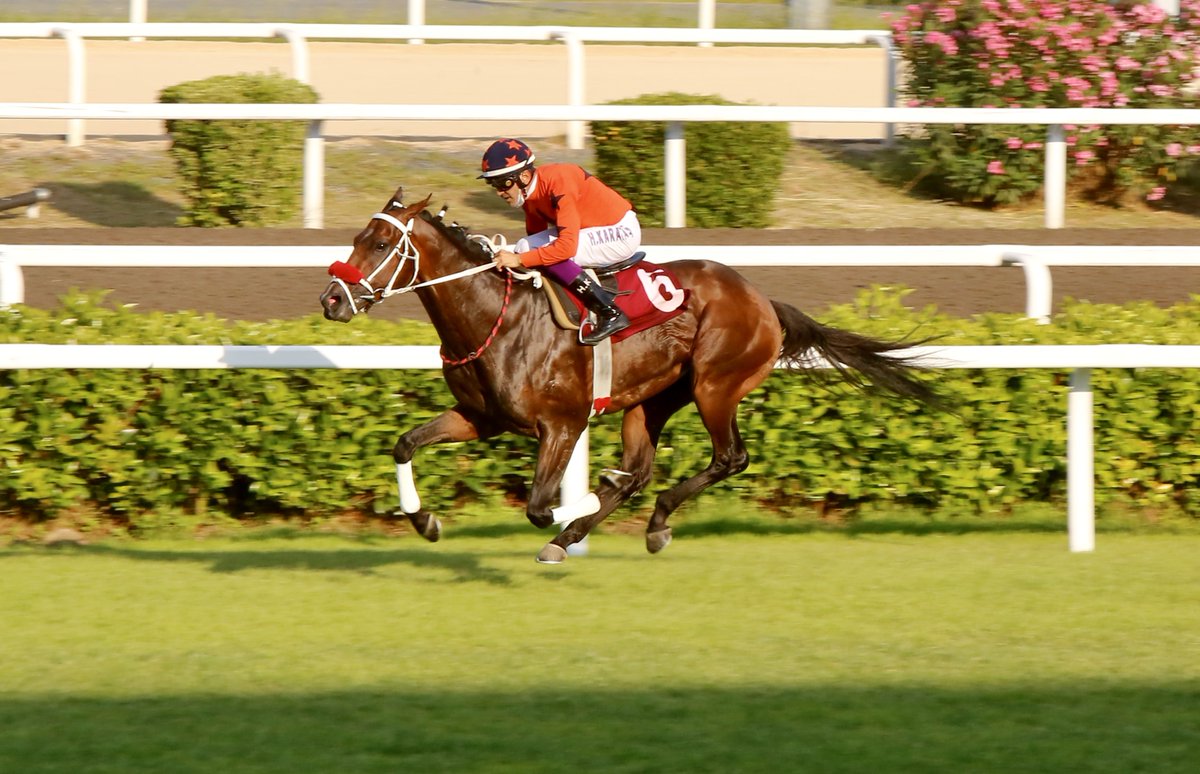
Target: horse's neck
(464, 310)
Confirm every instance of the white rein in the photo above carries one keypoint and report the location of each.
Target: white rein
(404, 251)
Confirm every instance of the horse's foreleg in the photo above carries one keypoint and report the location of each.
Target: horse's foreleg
(637, 463)
(556, 444)
(453, 425)
(641, 429)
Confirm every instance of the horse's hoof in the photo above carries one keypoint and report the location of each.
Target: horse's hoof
(426, 525)
(657, 541)
(552, 554)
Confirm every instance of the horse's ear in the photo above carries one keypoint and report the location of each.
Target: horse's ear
(397, 199)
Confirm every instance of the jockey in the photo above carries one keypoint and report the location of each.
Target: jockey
(572, 221)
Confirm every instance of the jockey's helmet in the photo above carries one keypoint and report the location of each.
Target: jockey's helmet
(505, 158)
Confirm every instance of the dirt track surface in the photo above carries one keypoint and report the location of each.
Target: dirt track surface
(264, 294)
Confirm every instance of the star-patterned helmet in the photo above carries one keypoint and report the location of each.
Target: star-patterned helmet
(506, 157)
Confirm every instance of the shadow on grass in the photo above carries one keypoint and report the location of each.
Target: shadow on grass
(1023, 728)
(717, 527)
(463, 567)
(113, 204)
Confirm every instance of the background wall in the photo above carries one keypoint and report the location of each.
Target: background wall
(450, 73)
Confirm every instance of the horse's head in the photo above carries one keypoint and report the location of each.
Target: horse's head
(384, 261)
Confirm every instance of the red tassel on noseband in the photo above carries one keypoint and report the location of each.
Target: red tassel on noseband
(345, 272)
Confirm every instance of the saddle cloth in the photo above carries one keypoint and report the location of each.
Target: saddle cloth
(648, 294)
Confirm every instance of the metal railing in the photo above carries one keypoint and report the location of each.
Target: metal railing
(675, 154)
(1035, 261)
(298, 35)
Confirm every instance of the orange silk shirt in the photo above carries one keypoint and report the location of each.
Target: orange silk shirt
(570, 198)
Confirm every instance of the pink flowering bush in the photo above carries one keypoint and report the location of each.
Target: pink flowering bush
(1039, 53)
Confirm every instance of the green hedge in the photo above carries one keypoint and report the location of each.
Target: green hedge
(240, 173)
(733, 169)
(153, 447)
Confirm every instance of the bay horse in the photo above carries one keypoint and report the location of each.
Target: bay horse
(511, 369)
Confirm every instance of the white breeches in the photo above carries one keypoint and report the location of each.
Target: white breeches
(598, 245)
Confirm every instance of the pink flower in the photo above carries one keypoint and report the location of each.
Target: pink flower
(995, 168)
(1083, 157)
(1014, 143)
(1173, 149)
(1156, 194)
(1127, 63)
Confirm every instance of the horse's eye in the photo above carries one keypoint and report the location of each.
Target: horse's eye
(381, 246)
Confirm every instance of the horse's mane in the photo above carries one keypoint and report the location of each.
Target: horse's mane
(456, 234)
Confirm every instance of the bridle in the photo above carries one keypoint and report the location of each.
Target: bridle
(345, 275)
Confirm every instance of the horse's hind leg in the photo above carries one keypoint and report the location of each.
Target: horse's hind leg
(450, 426)
(717, 404)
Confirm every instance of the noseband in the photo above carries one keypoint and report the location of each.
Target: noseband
(404, 250)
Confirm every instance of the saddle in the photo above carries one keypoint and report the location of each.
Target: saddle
(648, 293)
(566, 310)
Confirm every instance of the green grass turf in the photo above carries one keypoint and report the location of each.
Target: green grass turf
(733, 651)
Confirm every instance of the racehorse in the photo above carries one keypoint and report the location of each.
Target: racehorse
(511, 369)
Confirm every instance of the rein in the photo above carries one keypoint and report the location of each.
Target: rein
(405, 250)
(508, 284)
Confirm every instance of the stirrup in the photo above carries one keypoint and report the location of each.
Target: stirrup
(605, 327)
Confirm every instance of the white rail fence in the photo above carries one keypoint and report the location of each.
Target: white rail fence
(675, 149)
(706, 12)
(1035, 261)
(1081, 530)
(298, 36)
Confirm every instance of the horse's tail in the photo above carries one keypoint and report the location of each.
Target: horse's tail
(860, 360)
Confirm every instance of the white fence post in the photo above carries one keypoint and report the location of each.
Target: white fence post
(707, 18)
(76, 80)
(1055, 176)
(1081, 513)
(576, 80)
(299, 45)
(314, 176)
(12, 283)
(137, 15)
(416, 17)
(675, 175)
(891, 64)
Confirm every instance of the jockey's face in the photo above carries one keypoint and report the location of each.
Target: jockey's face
(512, 189)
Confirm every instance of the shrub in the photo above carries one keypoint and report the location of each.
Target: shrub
(242, 173)
(1038, 53)
(140, 446)
(733, 169)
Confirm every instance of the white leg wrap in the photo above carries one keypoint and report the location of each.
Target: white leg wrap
(410, 501)
(584, 506)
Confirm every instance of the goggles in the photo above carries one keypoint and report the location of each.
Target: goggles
(503, 183)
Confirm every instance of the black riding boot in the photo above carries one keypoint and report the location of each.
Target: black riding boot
(598, 299)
